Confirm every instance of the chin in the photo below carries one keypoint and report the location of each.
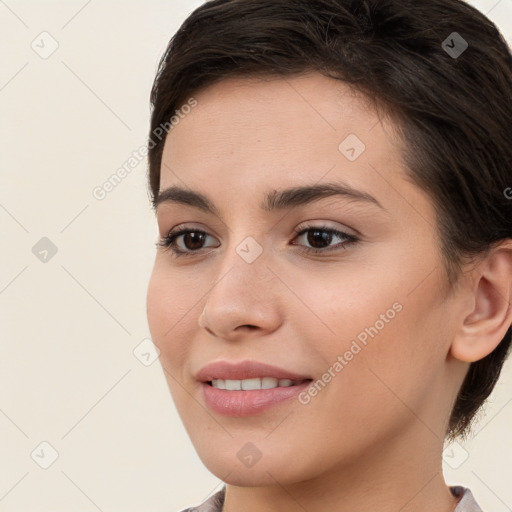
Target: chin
(231, 469)
(250, 477)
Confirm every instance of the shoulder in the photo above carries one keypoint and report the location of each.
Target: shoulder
(212, 504)
(467, 502)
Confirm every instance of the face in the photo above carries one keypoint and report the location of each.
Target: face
(342, 291)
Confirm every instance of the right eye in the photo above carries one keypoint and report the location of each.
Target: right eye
(191, 242)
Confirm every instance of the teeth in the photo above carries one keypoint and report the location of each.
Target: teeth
(219, 383)
(233, 385)
(269, 382)
(250, 384)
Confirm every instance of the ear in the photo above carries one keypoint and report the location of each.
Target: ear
(490, 314)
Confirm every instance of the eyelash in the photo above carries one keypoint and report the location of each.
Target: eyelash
(168, 241)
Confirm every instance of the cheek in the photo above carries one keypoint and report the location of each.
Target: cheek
(169, 304)
(345, 307)
(157, 306)
(383, 333)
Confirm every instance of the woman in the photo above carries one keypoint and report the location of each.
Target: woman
(332, 286)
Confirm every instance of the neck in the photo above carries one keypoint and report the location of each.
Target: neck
(404, 474)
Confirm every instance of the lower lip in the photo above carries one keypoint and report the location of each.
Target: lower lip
(247, 403)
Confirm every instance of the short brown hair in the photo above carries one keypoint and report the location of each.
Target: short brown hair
(440, 66)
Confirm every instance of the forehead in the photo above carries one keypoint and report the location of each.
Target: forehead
(273, 101)
(274, 121)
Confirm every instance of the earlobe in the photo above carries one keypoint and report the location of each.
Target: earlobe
(484, 327)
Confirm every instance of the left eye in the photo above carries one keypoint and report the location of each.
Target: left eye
(320, 237)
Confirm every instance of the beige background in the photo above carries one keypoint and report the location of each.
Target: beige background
(69, 326)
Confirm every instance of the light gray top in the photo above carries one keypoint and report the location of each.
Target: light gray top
(215, 502)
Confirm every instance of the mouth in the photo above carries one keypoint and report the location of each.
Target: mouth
(248, 387)
(255, 383)
(248, 397)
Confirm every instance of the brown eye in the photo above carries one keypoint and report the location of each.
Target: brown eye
(320, 238)
(192, 241)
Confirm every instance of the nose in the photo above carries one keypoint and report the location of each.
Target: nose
(244, 298)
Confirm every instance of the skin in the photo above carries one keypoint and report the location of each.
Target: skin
(372, 438)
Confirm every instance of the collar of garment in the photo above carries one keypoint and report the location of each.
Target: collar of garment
(466, 502)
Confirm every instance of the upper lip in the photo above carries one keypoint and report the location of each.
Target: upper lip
(244, 370)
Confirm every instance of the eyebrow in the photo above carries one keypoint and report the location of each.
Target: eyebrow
(275, 200)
